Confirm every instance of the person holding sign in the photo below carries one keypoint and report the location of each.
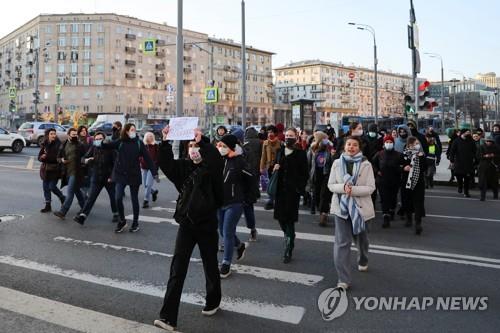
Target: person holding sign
(200, 185)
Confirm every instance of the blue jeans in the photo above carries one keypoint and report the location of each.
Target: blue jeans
(48, 187)
(148, 181)
(95, 189)
(134, 196)
(229, 216)
(72, 191)
(249, 213)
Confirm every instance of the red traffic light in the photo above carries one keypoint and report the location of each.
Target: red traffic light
(424, 85)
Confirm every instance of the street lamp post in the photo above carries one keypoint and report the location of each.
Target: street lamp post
(375, 63)
(496, 105)
(244, 69)
(435, 55)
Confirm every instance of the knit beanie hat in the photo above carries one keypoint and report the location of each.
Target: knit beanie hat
(230, 141)
(388, 138)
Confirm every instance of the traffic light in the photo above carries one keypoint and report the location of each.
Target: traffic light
(36, 96)
(12, 106)
(425, 103)
(408, 105)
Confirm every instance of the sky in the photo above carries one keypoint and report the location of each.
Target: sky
(464, 33)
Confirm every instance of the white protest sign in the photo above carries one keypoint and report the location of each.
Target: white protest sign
(182, 128)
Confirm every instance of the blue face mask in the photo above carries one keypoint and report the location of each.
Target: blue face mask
(97, 143)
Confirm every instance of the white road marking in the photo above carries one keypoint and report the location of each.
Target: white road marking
(285, 313)
(387, 250)
(448, 197)
(68, 316)
(260, 272)
(30, 164)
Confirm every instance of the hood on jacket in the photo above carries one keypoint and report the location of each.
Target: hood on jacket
(251, 133)
(400, 143)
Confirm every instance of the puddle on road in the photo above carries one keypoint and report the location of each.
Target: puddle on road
(11, 217)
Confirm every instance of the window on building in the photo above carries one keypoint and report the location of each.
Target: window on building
(100, 28)
(74, 27)
(99, 95)
(99, 82)
(86, 68)
(99, 55)
(100, 41)
(62, 28)
(86, 41)
(74, 68)
(48, 69)
(74, 56)
(86, 82)
(48, 29)
(74, 81)
(87, 27)
(100, 69)
(74, 41)
(61, 42)
(60, 68)
(86, 55)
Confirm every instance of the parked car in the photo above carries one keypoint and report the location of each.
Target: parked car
(105, 127)
(12, 141)
(33, 132)
(154, 128)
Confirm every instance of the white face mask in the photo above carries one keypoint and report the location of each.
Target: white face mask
(372, 134)
(223, 151)
(132, 134)
(416, 147)
(389, 146)
(194, 154)
(357, 132)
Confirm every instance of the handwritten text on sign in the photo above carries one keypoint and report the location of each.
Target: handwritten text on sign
(182, 128)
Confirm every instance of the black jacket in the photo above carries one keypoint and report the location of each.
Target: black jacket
(463, 156)
(75, 166)
(50, 150)
(292, 178)
(101, 167)
(373, 146)
(388, 163)
(238, 181)
(487, 170)
(127, 169)
(185, 175)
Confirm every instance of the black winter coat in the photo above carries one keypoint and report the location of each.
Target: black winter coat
(51, 151)
(238, 181)
(127, 169)
(373, 146)
(463, 156)
(419, 190)
(487, 170)
(101, 167)
(292, 179)
(388, 163)
(185, 174)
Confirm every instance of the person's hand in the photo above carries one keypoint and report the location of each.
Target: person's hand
(43, 156)
(157, 178)
(87, 160)
(165, 131)
(197, 135)
(420, 154)
(379, 173)
(348, 189)
(276, 167)
(407, 168)
(110, 180)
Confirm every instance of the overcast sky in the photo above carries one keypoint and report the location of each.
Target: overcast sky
(465, 33)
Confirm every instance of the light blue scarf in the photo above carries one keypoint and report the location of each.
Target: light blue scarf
(348, 207)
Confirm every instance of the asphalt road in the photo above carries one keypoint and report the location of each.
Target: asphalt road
(56, 276)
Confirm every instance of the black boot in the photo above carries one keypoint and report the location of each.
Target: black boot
(387, 221)
(418, 227)
(409, 220)
(47, 208)
(287, 257)
(391, 213)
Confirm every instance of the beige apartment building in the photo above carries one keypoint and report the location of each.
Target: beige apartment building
(489, 79)
(343, 90)
(99, 62)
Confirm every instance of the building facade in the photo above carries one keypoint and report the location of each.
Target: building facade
(489, 79)
(99, 62)
(345, 90)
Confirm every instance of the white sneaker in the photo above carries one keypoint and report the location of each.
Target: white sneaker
(163, 324)
(363, 268)
(343, 285)
(209, 312)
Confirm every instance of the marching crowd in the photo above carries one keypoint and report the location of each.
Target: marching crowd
(339, 175)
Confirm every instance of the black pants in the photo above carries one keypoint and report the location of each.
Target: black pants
(413, 202)
(187, 238)
(388, 196)
(95, 189)
(318, 184)
(326, 197)
(289, 231)
(463, 182)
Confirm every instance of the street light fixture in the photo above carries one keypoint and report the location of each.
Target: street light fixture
(438, 56)
(370, 29)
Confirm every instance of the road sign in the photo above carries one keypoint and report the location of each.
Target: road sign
(150, 46)
(219, 120)
(12, 92)
(211, 95)
(351, 75)
(58, 89)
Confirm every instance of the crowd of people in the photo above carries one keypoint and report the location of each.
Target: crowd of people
(340, 176)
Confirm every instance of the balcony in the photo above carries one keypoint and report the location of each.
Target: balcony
(29, 63)
(130, 36)
(187, 70)
(270, 94)
(231, 91)
(130, 75)
(160, 78)
(160, 54)
(160, 67)
(130, 49)
(129, 62)
(187, 82)
(188, 58)
(227, 67)
(230, 79)
(28, 77)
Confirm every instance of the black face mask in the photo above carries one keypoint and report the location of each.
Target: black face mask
(115, 129)
(74, 139)
(290, 142)
(403, 135)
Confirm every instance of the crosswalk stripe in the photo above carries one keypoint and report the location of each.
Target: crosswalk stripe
(68, 316)
(380, 249)
(285, 313)
(260, 272)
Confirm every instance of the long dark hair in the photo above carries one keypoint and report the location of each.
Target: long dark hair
(46, 135)
(126, 128)
(81, 128)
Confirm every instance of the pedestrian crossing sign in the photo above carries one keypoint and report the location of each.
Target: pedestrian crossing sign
(211, 95)
(150, 46)
(12, 92)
